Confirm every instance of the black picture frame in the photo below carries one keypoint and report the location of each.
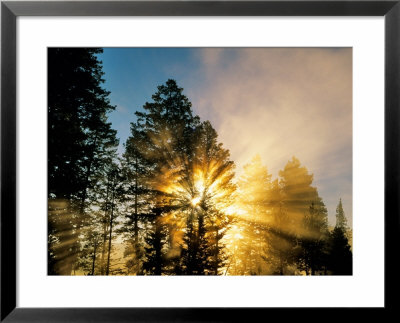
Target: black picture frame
(10, 10)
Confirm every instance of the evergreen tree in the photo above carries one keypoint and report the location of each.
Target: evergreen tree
(254, 190)
(88, 261)
(137, 170)
(155, 246)
(297, 194)
(341, 221)
(340, 255)
(281, 243)
(168, 128)
(188, 176)
(79, 145)
(313, 239)
(116, 188)
(210, 181)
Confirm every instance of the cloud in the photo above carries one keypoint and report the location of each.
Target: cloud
(280, 102)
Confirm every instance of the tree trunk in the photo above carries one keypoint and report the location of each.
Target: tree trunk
(67, 255)
(136, 229)
(111, 227)
(94, 257)
(216, 252)
(105, 229)
(80, 222)
(158, 262)
(88, 173)
(280, 263)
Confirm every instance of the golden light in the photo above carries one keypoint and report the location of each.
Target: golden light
(195, 201)
(199, 185)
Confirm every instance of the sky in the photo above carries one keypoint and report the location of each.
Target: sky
(275, 102)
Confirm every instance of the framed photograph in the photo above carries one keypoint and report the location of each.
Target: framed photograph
(197, 161)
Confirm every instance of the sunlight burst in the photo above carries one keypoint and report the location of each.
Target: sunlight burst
(195, 201)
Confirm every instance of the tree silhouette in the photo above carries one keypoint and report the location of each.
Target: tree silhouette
(181, 162)
(80, 143)
(340, 256)
(313, 240)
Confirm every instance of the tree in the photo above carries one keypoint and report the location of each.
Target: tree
(281, 243)
(116, 191)
(341, 221)
(340, 255)
(79, 145)
(167, 129)
(186, 177)
(155, 251)
(297, 194)
(137, 170)
(254, 191)
(90, 249)
(209, 187)
(313, 239)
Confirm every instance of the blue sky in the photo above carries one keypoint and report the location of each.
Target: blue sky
(276, 102)
(133, 74)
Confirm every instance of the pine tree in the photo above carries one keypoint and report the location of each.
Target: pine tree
(340, 255)
(88, 261)
(80, 143)
(254, 189)
(211, 181)
(297, 194)
(168, 128)
(116, 189)
(136, 170)
(155, 242)
(281, 243)
(313, 239)
(341, 221)
(188, 177)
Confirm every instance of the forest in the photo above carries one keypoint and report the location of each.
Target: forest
(171, 203)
